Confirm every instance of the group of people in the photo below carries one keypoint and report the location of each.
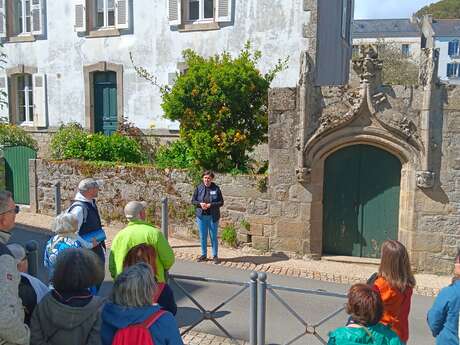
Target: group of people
(141, 308)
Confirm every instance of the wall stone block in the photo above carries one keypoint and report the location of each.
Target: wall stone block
(260, 243)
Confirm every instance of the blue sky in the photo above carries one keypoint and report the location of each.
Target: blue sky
(372, 9)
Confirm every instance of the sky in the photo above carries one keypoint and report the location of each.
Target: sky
(368, 9)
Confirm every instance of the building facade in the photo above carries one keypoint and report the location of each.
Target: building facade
(70, 60)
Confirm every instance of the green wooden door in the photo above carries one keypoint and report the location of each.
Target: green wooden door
(361, 201)
(105, 102)
(17, 172)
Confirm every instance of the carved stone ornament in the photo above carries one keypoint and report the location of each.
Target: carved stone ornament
(303, 175)
(425, 179)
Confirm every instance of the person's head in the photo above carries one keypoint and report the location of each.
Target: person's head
(135, 210)
(364, 305)
(141, 253)
(19, 253)
(89, 188)
(65, 224)
(8, 211)
(135, 286)
(395, 265)
(207, 177)
(457, 267)
(77, 269)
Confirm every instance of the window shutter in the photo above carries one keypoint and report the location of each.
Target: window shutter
(174, 12)
(451, 48)
(449, 69)
(2, 18)
(39, 95)
(224, 11)
(80, 16)
(36, 13)
(4, 100)
(122, 14)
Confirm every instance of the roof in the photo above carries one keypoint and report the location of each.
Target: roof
(446, 27)
(383, 28)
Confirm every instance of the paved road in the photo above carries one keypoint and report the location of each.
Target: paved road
(281, 326)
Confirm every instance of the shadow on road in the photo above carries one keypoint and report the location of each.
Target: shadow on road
(258, 260)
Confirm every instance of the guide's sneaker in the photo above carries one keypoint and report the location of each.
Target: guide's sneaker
(202, 258)
(215, 260)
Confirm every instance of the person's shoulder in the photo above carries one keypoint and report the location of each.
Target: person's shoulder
(384, 331)
(4, 250)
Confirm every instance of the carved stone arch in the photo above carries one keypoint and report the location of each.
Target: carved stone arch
(347, 137)
(88, 72)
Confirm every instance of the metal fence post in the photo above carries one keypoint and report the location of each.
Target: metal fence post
(261, 308)
(57, 197)
(32, 257)
(253, 309)
(164, 217)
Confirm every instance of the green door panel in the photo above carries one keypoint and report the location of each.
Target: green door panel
(17, 172)
(361, 200)
(105, 102)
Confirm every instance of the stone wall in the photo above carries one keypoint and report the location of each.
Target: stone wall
(244, 195)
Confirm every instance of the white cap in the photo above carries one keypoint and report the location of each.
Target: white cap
(134, 208)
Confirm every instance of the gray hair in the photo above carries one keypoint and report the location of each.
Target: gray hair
(135, 286)
(87, 184)
(65, 223)
(5, 196)
(134, 208)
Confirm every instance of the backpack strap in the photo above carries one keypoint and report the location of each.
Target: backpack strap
(153, 318)
(160, 288)
(82, 205)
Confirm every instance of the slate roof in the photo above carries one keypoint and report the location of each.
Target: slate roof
(382, 28)
(446, 27)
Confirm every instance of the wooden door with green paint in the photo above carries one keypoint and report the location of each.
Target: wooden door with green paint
(105, 102)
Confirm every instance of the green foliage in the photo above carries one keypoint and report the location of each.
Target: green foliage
(149, 148)
(173, 155)
(73, 142)
(245, 224)
(12, 135)
(445, 9)
(228, 235)
(221, 104)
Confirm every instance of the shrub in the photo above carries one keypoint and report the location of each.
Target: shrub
(149, 148)
(69, 142)
(173, 155)
(228, 235)
(12, 135)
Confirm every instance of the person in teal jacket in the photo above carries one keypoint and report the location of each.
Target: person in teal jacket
(137, 232)
(443, 315)
(365, 308)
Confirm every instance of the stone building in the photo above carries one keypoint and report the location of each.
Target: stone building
(70, 60)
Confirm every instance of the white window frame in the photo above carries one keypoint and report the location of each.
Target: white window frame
(28, 102)
(24, 16)
(201, 18)
(106, 15)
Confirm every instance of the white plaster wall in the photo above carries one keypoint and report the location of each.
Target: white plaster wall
(273, 26)
(442, 43)
(414, 43)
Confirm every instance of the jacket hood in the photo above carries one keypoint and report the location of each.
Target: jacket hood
(4, 237)
(118, 316)
(66, 317)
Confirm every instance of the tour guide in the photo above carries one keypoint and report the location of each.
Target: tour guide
(208, 199)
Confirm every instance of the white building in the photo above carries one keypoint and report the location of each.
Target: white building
(70, 60)
(444, 34)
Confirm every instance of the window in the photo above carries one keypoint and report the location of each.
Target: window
(355, 51)
(103, 14)
(453, 48)
(201, 14)
(25, 100)
(405, 50)
(20, 18)
(453, 70)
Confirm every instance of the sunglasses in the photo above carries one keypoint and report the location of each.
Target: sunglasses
(15, 210)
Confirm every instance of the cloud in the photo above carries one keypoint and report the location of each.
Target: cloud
(367, 9)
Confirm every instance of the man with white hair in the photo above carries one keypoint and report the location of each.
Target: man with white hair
(138, 232)
(12, 327)
(85, 209)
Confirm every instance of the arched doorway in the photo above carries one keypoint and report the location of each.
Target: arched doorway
(360, 200)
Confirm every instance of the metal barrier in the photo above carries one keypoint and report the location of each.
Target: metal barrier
(211, 314)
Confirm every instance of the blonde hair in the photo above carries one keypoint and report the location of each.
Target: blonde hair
(395, 265)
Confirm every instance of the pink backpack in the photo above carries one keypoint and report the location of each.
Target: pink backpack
(139, 333)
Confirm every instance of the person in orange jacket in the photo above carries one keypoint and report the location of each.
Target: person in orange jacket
(395, 282)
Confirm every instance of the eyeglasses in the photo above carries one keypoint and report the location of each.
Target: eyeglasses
(15, 209)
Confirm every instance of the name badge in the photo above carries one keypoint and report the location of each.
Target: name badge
(213, 192)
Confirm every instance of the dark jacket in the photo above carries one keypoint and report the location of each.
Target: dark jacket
(114, 317)
(55, 323)
(443, 315)
(217, 201)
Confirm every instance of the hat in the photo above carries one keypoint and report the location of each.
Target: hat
(18, 251)
(134, 208)
(89, 183)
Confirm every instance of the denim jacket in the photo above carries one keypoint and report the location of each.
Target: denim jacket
(216, 200)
